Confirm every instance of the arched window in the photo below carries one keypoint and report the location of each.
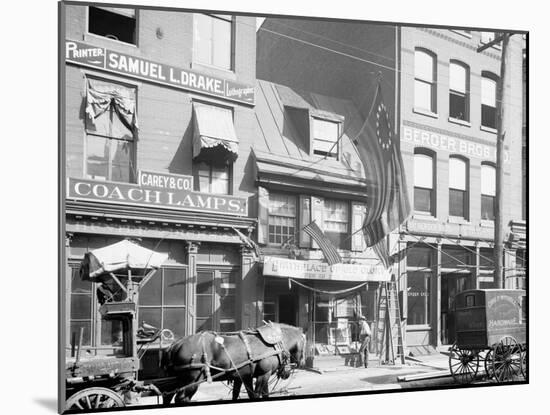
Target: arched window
(458, 187)
(489, 100)
(425, 81)
(488, 191)
(459, 91)
(424, 193)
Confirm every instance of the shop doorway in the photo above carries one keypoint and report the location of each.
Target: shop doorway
(287, 309)
(451, 285)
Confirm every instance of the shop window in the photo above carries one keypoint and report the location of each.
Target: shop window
(488, 191)
(216, 300)
(459, 91)
(111, 126)
(424, 194)
(425, 81)
(162, 300)
(486, 260)
(325, 138)
(282, 218)
(336, 223)
(458, 187)
(419, 256)
(115, 23)
(456, 257)
(213, 178)
(213, 38)
(489, 100)
(418, 298)
(81, 309)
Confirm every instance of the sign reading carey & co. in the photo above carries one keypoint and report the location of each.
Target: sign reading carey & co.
(113, 61)
(293, 268)
(158, 194)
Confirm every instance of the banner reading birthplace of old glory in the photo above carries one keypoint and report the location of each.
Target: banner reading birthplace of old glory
(113, 61)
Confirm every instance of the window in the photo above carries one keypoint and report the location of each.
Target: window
(81, 309)
(216, 300)
(488, 100)
(459, 96)
(214, 178)
(162, 300)
(418, 298)
(110, 129)
(425, 84)
(424, 183)
(213, 40)
(336, 223)
(282, 218)
(488, 192)
(325, 138)
(458, 187)
(113, 22)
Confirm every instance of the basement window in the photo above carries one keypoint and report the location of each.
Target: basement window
(115, 23)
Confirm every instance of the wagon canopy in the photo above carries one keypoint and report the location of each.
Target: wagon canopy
(121, 256)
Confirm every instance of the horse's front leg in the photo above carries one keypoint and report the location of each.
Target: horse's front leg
(262, 385)
(236, 388)
(167, 398)
(185, 395)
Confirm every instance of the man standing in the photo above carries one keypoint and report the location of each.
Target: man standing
(364, 337)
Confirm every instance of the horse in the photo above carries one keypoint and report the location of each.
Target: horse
(238, 357)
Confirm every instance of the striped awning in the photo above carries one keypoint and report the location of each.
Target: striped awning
(214, 133)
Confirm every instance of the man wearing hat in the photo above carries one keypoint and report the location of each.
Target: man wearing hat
(364, 337)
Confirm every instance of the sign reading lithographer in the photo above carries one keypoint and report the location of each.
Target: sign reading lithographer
(136, 67)
(155, 195)
(292, 268)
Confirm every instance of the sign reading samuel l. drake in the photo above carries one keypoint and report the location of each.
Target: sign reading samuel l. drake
(109, 60)
(155, 195)
(293, 268)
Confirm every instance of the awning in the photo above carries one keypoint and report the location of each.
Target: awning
(214, 134)
(121, 256)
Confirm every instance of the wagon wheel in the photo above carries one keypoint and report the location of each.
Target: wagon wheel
(507, 360)
(524, 361)
(463, 364)
(94, 398)
(488, 363)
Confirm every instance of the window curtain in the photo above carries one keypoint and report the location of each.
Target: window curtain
(101, 96)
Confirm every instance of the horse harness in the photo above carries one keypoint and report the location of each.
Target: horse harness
(270, 334)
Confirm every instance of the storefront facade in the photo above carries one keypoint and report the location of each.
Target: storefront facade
(144, 160)
(448, 144)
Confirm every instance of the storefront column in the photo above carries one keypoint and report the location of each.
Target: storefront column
(437, 291)
(477, 264)
(509, 270)
(192, 251)
(249, 293)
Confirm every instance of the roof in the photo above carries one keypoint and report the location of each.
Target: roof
(283, 146)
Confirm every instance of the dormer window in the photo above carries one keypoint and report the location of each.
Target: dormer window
(325, 137)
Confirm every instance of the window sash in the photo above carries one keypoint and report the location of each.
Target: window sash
(423, 200)
(214, 179)
(457, 174)
(458, 203)
(281, 218)
(488, 180)
(213, 38)
(423, 171)
(424, 67)
(487, 207)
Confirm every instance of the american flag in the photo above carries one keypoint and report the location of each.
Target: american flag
(329, 251)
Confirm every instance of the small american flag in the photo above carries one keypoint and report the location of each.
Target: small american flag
(329, 251)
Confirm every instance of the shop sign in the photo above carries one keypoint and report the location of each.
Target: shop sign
(452, 144)
(450, 229)
(136, 67)
(158, 197)
(293, 268)
(165, 180)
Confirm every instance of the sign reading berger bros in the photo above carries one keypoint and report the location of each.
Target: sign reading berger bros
(136, 67)
(156, 190)
(293, 268)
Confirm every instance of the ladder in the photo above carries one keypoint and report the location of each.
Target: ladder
(389, 330)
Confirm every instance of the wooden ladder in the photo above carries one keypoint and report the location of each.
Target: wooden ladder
(389, 330)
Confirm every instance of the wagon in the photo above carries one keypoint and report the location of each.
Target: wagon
(107, 376)
(490, 328)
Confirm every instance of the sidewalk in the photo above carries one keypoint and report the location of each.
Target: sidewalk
(339, 379)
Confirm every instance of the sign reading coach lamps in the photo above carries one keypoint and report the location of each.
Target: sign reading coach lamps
(293, 268)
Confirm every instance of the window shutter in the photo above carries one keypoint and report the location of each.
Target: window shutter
(304, 219)
(317, 207)
(263, 215)
(358, 213)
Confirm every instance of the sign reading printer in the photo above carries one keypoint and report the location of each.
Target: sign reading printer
(293, 268)
(155, 195)
(109, 60)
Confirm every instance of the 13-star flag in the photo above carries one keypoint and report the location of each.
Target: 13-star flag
(388, 203)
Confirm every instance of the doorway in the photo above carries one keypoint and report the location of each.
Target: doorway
(451, 285)
(287, 309)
